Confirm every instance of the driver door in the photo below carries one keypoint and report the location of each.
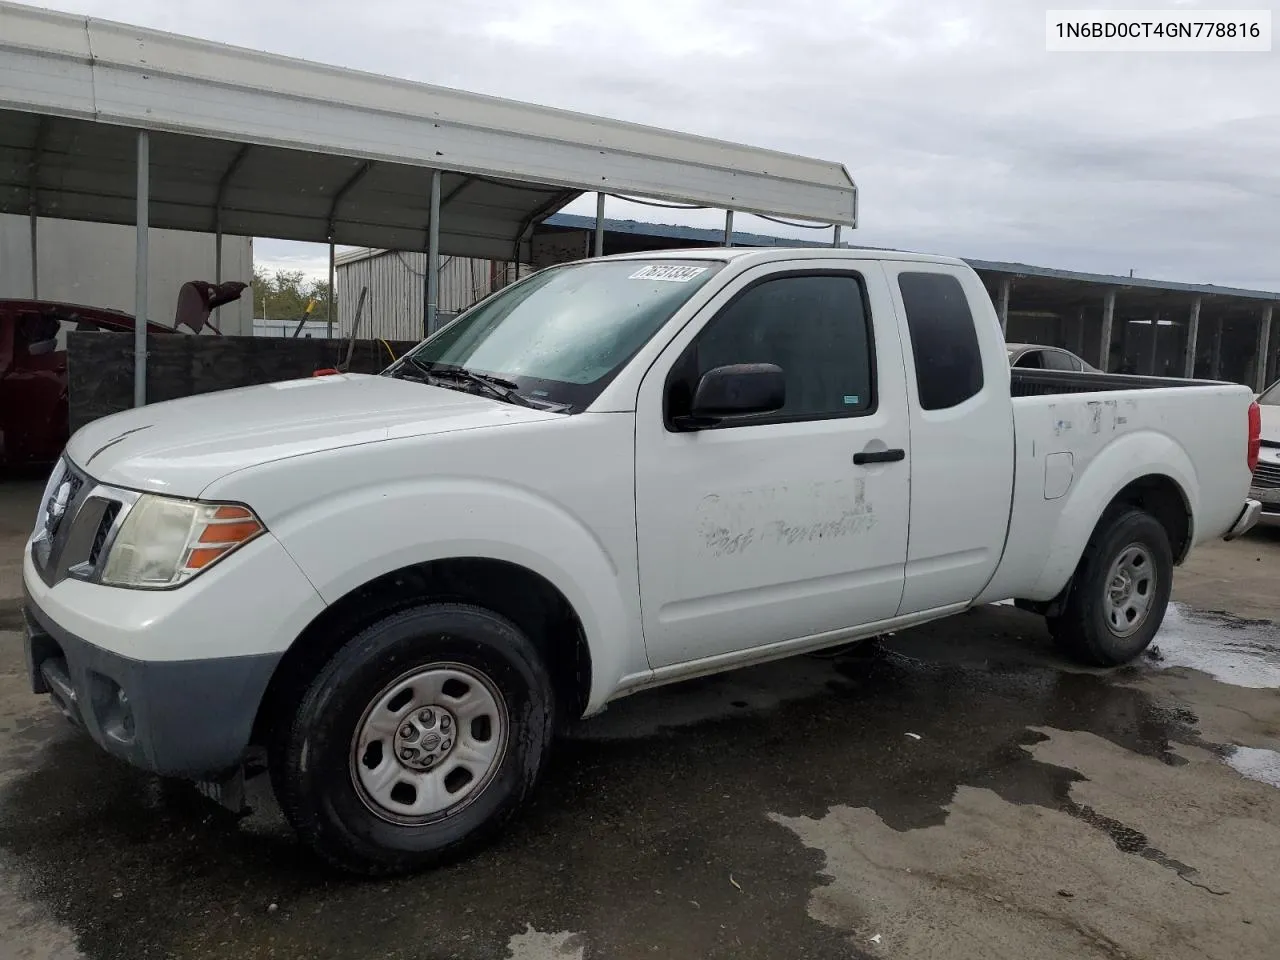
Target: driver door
(772, 528)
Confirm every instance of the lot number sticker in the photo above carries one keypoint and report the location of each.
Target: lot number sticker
(667, 271)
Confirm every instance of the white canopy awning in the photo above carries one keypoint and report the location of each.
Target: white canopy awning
(263, 145)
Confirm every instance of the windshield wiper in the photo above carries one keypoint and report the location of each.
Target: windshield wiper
(497, 387)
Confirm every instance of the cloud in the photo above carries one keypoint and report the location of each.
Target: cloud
(964, 135)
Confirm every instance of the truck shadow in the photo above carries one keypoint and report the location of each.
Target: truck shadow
(649, 832)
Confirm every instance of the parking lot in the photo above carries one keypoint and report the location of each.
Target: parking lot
(953, 791)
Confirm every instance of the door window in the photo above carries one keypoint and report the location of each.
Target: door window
(815, 326)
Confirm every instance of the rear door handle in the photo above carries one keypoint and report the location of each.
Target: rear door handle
(879, 456)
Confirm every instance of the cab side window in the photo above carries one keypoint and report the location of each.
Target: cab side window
(814, 326)
(944, 341)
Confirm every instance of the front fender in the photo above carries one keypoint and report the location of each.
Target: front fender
(1125, 459)
(347, 540)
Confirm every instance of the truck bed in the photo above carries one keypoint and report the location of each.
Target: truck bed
(1041, 383)
(1077, 436)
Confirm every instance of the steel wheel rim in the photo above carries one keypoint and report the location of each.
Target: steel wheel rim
(1129, 590)
(429, 743)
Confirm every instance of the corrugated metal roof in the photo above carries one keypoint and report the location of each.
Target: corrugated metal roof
(700, 235)
(1120, 282)
(304, 151)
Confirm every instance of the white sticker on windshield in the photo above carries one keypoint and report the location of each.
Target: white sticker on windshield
(667, 271)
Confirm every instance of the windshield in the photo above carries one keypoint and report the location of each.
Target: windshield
(559, 336)
(1271, 396)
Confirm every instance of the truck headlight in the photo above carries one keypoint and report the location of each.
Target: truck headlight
(164, 542)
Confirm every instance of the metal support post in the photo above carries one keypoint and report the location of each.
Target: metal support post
(1193, 334)
(141, 269)
(728, 228)
(328, 308)
(1108, 316)
(1002, 308)
(33, 202)
(1155, 342)
(835, 240)
(1079, 346)
(1215, 362)
(1264, 350)
(598, 250)
(433, 256)
(35, 254)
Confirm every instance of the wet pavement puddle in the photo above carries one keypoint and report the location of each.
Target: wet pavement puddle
(694, 821)
(1243, 653)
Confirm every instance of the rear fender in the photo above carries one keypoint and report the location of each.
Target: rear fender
(1126, 459)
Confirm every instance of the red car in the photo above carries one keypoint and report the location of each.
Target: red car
(33, 374)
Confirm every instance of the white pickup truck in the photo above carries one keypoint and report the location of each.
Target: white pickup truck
(613, 474)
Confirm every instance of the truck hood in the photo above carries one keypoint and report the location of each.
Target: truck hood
(182, 446)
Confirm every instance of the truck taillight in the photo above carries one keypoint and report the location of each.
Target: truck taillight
(1255, 435)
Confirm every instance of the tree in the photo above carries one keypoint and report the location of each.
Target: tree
(287, 296)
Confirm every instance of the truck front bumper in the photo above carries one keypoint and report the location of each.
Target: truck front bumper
(180, 718)
(169, 680)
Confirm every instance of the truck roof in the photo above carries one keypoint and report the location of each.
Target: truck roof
(771, 254)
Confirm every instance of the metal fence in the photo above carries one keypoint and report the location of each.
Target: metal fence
(396, 282)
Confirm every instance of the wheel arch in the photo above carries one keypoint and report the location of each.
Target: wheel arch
(1145, 469)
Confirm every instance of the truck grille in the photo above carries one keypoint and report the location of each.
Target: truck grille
(75, 524)
(1267, 476)
(109, 515)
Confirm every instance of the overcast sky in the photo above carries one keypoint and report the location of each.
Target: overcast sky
(965, 137)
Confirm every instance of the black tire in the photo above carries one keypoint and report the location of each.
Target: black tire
(311, 754)
(1084, 629)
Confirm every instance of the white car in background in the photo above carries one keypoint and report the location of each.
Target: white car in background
(1034, 356)
(1266, 480)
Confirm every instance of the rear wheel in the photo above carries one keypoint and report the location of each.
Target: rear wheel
(417, 741)
(1120, 591)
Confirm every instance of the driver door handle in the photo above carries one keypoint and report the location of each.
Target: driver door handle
(879, 456)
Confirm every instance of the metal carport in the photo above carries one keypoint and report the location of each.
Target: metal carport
(108, 122)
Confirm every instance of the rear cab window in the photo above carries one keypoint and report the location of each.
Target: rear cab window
(944, 341)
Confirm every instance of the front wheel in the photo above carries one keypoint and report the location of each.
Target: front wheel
(417, 741)
(1120, 592)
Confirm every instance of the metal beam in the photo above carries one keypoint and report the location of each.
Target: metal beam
(555, 202)
(433, 257)
(223, 183)
(1108, 316)
(1215, 362)
(728, 228)
(1264, 350)
(1155, 340)
(341, 193)
(1193, 334)
(835, 239)
(599, 245)
(33, 202)
(1002, 307)
(331, 227)
(141, 269)
(329, 301)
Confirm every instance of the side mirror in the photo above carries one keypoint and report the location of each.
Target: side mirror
(736, 390)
